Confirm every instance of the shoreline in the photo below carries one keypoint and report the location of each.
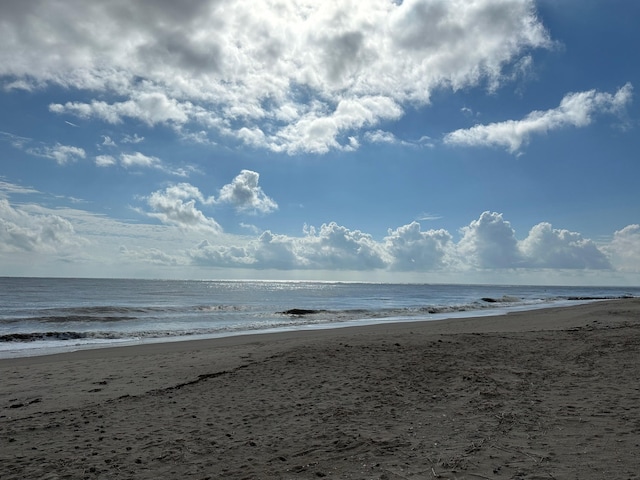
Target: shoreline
(468, 322)
(47, 351)
(551, 391)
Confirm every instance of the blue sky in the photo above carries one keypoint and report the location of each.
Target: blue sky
(409, 141)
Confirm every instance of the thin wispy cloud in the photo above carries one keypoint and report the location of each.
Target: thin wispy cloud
(62, 154)
(575, 110)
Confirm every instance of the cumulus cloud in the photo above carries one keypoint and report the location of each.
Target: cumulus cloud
(176, 205)
(292, 76)
(318, 132)
(138, 159)
(575, 110)
(62, 154)
(624, 249)
(23, 231)
(107, 141)
(151, 108)
(105, 160)
(246, 195)
(546, 247)
(275, 251)
(380, 136)
(331, 247)
(336, 247)
(268, 251)
(411, 249)
(490, 242)
(211, 255)
(487, 243)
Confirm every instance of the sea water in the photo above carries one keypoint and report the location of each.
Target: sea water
(48, 315)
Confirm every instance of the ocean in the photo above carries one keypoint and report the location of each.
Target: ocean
(49, 315)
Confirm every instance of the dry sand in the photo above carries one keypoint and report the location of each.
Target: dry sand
(534, 395)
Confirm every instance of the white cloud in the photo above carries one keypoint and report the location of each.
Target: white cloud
(26, 85)
(210, 255)
(246, 195)
(624, 249)
(575, 110)
(105, 160)
(151, 108)
(276, 251)
(23, 231)
(15, 140)
(319, 132)
(384, 137)
(176, 205)
(135, 138)
(62, 154)
(490, 242)
(426, 216)
(107, 141)
(292, 76)
(487, 243)
(411, 249)
(252, 228)
(152, 256)
(546, 247)
(331, 247)
(138, 159)
(337, 247)
(468, 112)
(380, 136)
(186, 191)
(7, 188)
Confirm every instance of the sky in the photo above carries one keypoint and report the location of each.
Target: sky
(457, 141)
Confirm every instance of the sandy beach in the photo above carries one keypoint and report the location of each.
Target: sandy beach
(551, 394)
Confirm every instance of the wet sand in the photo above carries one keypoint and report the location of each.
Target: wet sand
(551, 393)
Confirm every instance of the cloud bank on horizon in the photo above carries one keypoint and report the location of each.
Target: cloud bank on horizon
(487, 243)
(286, 81)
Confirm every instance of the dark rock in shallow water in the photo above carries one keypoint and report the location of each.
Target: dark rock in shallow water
(300, 311)
(489, 300)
